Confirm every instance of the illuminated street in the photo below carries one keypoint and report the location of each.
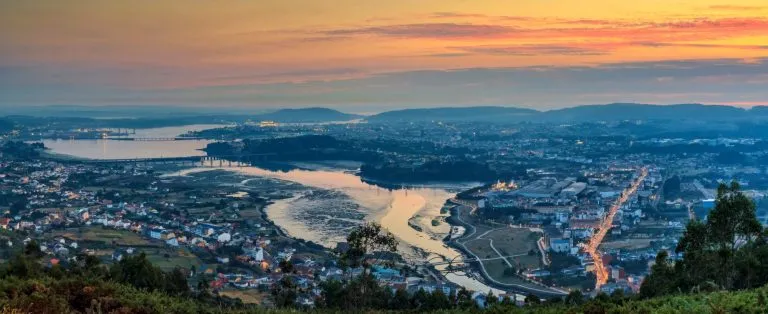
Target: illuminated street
(600, 272)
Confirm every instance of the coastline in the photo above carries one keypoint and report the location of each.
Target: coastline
(400, 207)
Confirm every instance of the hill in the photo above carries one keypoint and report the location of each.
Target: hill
(306, 115)
(621, 111)
(585, 113)
(473, 114)
(6, 125)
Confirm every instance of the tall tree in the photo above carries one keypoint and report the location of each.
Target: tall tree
(369, 238)
(661, 281)
(697, 266)
(731, 223)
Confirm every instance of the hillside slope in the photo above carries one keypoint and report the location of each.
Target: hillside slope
(48, 295)
(473, 114)
(307, 115)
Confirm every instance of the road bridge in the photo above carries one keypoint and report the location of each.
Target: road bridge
(155, 139)
(204, 161)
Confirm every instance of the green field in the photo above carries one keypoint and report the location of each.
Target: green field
(176, 258)
(157, 252)
(512, 243)
(108, 236)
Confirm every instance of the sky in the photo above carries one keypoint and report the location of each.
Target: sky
(369, 56)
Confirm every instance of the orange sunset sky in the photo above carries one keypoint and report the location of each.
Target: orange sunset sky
(367, 56)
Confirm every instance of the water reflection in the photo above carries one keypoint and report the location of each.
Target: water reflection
(322, 218)
(108, 149)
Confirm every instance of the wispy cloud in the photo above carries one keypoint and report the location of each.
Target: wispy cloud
(430, 30)
(452, 15)
(731, 7)
(678, 30)
(695, 45)
(534, 50)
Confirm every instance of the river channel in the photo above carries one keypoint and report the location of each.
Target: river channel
(336, 200)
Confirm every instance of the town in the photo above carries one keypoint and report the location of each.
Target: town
(549, 214)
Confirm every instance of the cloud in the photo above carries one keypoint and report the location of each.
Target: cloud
(694, 45)
(451, 15)
(430, 30)
(730, 7)
(543, 87)
(448, 55)
(294, 75)
(570, 30)
(533, 50)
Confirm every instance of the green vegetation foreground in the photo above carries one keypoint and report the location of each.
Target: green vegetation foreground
(73, 295)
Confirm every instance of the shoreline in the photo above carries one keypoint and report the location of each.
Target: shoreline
(453, 220)
(401, 206)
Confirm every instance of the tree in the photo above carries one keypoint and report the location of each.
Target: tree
(728, 251)
(420, 300)
(286, 267)
(661, 281)
(730, 223)
(23, 266)
(560, 261)
(364, 292)
(491, 299)
(367, 239)
(18, 207)
(32, 250)
(438, 300)
(400, 301)
(575, 297)
(285, 292)
(532, 299)
(697, 266)
(618, 297)
(137, 271)
(464, 299)
(332, 294)
(176, 282)
(510, 271)
(203, 287)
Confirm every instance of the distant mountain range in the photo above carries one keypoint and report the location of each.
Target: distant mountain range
(586, 113)
(490, 114)
(478, 114)
(306, 115)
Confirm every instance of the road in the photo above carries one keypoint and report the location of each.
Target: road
(470, 204)
(464, 261)
(591, 247)
(708, 194)
(548, 291)
(490, 241)
(544, 258)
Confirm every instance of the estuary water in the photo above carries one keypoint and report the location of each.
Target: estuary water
(335, 201)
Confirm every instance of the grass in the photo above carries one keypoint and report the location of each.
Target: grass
(176, 258)
(509, 242)
(251, 213)
(250, 296)
(98, 234)
(156, 251)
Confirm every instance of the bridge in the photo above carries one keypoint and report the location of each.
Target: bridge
(155, 139)
(204, 161)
